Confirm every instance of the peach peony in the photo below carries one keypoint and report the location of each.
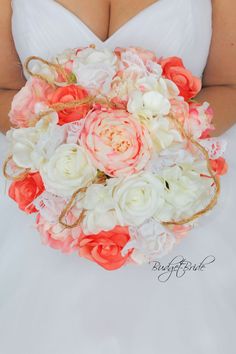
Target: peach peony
(23, 104)
(116, 142)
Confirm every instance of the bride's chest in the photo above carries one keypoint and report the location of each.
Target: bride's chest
(168, 27)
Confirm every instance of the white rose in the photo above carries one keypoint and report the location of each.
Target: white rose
(137, 198)
(94, 69)
(100, 210)
(67, 170)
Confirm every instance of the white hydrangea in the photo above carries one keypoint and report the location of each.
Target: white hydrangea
(150, 241)
(100, 210)
(188, 190)
(32, 147)
(94, 69)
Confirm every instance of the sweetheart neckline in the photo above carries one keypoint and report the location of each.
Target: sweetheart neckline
(114, 34)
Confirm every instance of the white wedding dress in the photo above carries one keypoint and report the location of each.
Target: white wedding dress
(51, 303)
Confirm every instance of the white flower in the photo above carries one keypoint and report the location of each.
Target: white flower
(173, 155)
(49, 206)
(137, 198)
(100, 210)
(151, 98)
(94, 69)
(22, 144)
(165, 87)
(199, 119)
(98, 197)
(68, 170)
(150, 241)
(154, 68)
(51, 136)
(187, 191)
(31, 147)
(163, 133)
(132, 62)
(64, 57)
(148, 104)
(156, 103)
(95, 222)
(122, 87)
(215, 147)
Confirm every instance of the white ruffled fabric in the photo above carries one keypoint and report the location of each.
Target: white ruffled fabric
(52, 303)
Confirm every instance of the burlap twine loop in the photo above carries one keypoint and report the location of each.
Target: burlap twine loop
(102, 177)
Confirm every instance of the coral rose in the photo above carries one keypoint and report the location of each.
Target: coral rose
(116, 142)
(174, 70)
(106, 247)
(219, 166)
(25, 191)
(69, 94)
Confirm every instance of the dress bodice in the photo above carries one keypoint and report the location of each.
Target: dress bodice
(168, 27)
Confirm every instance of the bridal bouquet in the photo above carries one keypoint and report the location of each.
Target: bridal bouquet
(112, 153)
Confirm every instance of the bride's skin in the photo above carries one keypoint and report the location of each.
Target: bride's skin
(104, 17)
